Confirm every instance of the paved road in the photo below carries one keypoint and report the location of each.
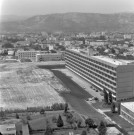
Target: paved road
(77, 97)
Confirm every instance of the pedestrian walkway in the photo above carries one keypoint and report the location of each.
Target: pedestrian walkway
(25, 129)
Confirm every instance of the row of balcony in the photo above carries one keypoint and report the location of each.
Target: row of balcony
(93, 69)
(90, 71)
(91, 77)
(90, 59)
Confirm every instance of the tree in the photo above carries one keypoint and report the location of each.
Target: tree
(2, 114)
(119, 108)
(113, 107)
(7, 45)
(69, 118)
(17, 116)
(42, 111)
(110, 97)
(48, 130)
(54, 119)
(60, 122)
(102, 128)
(112, 51)
(66, 107)
(70, 121)
(79, 122)
(89, 122)
(28, 117)
(84, 132)
(105, 97)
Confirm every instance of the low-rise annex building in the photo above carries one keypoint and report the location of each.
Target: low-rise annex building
(8, 129)
(49, 57)
(127, 111)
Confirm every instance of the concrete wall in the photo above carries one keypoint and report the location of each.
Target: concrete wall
(125, 82)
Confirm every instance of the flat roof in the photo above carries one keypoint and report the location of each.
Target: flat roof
(129, 105)
(114, 62)
(50, 54)
(110, 60)
(8, 129)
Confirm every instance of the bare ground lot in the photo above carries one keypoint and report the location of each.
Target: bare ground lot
(23, 85)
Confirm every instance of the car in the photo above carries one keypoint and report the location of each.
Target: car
(90, 99)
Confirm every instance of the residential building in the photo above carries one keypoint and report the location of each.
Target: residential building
(115, 76)
(98, 43)
(8, 129)
(127, 111)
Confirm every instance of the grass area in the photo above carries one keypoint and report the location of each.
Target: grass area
(120, 121)
(66, 132)
(101, 105)
(75, 132)
(39, 122)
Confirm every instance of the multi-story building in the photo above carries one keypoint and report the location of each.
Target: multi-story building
(127, 111)
(28, 54)
(115, 76)
(49, 57)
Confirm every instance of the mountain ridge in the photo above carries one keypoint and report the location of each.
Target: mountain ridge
(73, 22)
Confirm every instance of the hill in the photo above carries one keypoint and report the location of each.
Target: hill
(73, 22)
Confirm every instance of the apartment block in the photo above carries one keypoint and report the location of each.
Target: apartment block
(116, 76)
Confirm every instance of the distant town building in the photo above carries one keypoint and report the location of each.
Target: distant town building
(11, 52)
(28, 54)
(127, 36)
(98, 43)
(105, 73)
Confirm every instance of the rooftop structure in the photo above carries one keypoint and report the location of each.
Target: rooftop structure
(127, 111)
(8, 129)
(129, 105)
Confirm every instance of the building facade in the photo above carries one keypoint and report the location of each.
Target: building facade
(28, 54)
(49, 57)
(112, 75)
(127, 111)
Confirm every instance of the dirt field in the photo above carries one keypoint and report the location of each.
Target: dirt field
(23, 86)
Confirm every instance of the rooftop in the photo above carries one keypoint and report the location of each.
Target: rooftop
(8, 129)
(115, 62)
(129, 105)
(110, 60)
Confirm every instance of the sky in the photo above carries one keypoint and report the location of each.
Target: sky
(39, 7)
